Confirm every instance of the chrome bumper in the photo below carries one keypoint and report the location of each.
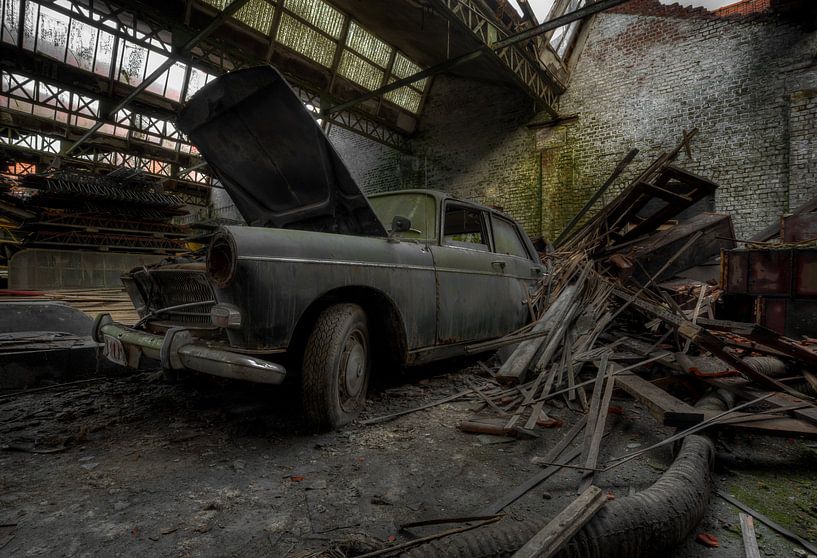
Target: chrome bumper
(178, 350)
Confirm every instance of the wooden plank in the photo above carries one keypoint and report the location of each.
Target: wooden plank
(559, 530)
(534, 415)
(747, 531)
(657, 401)
(671, 411)
(592, 455)
(516, 367)
(706, 340)
(811, 379)
(760, 423)
(593, 413)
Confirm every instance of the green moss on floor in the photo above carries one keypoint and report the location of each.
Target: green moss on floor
(788, 497)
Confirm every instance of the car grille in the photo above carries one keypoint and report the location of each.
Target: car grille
(172, 287)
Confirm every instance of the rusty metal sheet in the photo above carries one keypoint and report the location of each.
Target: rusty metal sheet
(798, 228)
(769, 272)
(772, 313)
(736, 274)
(805, 272)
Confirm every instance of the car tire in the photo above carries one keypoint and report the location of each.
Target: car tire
(336, 367)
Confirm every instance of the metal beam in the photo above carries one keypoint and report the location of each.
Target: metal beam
(428, 72)
(564, 19)
(234, 6)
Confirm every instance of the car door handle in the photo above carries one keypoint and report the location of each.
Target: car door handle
(499, 264)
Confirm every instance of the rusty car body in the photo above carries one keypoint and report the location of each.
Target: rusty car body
(323, 280)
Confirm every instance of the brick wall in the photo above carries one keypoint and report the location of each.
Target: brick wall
(803, 146)
(746, 7)
(473, 142)
(642, 80)
(375, 167)
(748, 83)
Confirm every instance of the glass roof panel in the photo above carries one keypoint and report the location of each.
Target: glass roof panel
(403, 67)
(81, 45)
(318, 13)
(104, 53)
(405, 97)
(153, 62)
(52, 33)
(30, 25)
(257, 14)
(301, 38)
(11, 21)
(175, 81)
(198, 79)
(368, 45)
(132, 62)
(359, 70)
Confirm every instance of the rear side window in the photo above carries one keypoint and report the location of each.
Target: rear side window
(465, 227)
(507, 240)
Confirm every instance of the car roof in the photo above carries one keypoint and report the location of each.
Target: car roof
(441, 196)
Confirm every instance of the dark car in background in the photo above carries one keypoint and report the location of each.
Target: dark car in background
(323, 281)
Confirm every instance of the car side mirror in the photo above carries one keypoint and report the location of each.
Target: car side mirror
(400, 224)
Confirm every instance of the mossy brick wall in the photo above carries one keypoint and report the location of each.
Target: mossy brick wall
(473, 142)
(641, 80)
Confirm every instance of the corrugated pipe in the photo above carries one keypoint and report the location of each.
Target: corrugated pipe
(646, 524)
(776, 368)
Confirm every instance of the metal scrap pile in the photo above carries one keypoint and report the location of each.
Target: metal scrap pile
(75, 210)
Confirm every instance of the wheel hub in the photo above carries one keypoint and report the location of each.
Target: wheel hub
(354, 373)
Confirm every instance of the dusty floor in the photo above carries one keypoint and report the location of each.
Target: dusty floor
(208, 467)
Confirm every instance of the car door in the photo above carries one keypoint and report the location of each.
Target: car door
(521, 267)
(468, 277)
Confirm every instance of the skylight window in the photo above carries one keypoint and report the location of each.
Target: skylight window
(257, 14)
(360, 70)
(305, 40)
(562, 38)
(319, 14)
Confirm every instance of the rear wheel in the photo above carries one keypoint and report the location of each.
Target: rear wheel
(336, 366)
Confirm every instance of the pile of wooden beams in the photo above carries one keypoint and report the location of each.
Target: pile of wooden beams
(610, 319)
(598, 317)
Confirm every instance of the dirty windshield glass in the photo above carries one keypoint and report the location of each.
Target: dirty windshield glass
(417, 208)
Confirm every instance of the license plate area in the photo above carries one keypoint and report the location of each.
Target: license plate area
(115, 350)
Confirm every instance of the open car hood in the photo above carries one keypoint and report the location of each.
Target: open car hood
(272, 156)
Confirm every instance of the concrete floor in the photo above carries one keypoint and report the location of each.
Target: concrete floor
(208, 467)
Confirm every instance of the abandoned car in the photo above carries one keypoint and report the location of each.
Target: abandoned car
(321, 281)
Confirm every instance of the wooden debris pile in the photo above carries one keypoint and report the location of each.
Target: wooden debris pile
(609, 311)
(631, 301)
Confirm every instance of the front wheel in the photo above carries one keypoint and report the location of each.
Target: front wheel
(336, 366)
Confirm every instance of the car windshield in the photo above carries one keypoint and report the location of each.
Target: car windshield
(417, 208)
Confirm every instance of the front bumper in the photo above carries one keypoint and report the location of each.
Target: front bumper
(179, 350)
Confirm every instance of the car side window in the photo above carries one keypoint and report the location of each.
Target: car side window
(507, 240)
(465, 227)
